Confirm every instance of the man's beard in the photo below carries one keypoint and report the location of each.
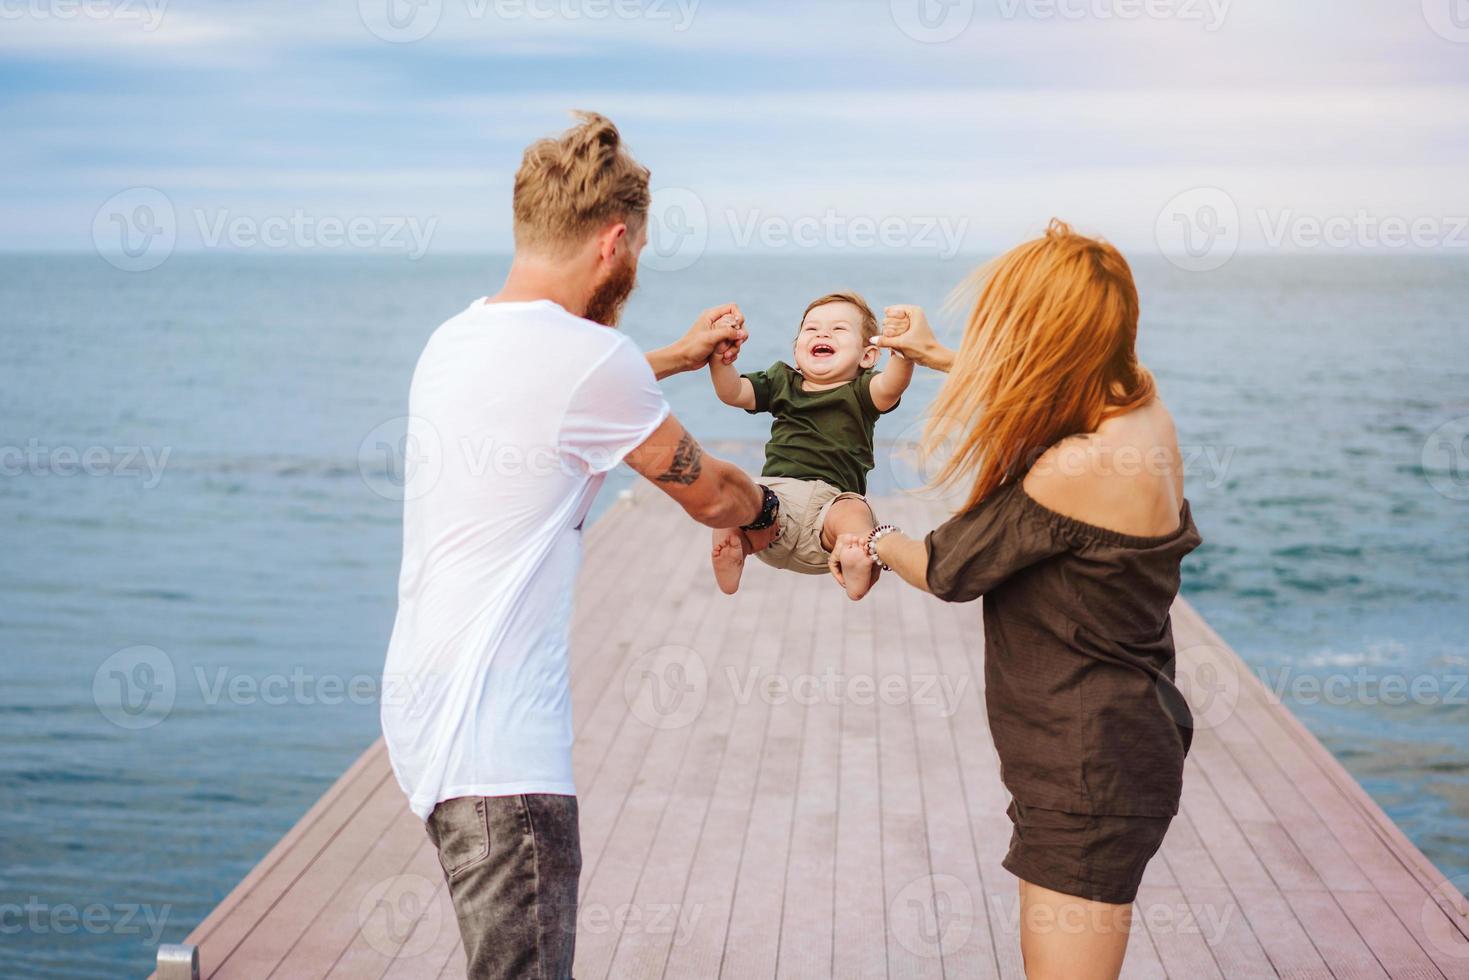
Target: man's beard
(605, 306)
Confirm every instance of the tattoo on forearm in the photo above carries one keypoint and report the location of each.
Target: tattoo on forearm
(688, 463)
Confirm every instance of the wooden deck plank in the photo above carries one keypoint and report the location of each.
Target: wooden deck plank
(621, 808)
(841, 836)
(917, 915)
(227, 926)
(809, 892)
(335, 923)
(859, 932)
(617, 889)
(939, 690)
(752, 947)
(659, 897)
(721, 850)
(959, 637)
(399, 916)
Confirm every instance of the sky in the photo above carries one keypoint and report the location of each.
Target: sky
(911, 125)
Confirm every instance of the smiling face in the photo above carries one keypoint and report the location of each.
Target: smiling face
(832, 346)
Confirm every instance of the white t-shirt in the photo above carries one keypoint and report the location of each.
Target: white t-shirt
(516, 413)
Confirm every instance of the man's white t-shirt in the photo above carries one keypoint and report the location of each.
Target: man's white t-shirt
(516, 413)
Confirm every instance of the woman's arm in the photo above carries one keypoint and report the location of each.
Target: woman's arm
(905, 329)
(904, 555)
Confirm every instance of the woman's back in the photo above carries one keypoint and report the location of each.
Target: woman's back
(1125, 477)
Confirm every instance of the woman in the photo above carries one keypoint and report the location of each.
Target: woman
(1073, 528)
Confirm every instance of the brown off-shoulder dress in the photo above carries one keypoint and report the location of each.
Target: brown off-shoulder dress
(1089, 725)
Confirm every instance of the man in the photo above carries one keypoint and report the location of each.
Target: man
(519, 407)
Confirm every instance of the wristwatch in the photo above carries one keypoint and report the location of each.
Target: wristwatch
(769, 509)
(873, 537)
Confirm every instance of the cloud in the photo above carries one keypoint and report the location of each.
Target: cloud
(756, 107)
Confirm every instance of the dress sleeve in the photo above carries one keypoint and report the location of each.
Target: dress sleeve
(613, 410)
(975, 551)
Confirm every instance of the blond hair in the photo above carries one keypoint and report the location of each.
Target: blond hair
(571, 185)
(1049, 352)
(869, 319)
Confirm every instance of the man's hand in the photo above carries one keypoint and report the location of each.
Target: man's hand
(718, 331)
(727, 351)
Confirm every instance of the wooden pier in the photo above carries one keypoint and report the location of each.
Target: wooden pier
(788, 784)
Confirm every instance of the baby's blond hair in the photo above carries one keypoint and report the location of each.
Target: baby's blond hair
(571, 185)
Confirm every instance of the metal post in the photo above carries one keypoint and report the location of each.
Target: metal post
(178, 961)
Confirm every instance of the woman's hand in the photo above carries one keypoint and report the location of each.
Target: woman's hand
(905, 330)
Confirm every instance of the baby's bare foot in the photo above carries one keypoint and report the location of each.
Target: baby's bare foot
(728, 557)
(858, 570)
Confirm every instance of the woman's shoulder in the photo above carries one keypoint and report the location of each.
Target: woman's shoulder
(1125, 477)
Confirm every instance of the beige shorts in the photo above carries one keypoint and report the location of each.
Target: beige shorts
(803, 507)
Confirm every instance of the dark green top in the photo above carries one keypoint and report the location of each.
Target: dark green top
(817, 435)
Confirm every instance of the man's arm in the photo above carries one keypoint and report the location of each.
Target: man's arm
(711, 491)
(890, 383)
(718, 330)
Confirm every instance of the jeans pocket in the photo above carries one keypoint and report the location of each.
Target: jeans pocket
(460, 831)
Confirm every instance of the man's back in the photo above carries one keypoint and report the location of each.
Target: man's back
(517, 411)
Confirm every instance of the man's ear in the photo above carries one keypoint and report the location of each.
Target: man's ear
(610, 239)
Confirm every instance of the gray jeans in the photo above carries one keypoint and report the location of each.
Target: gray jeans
(512, 864)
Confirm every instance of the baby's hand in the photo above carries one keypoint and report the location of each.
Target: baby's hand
(905, 332)
(727, 351)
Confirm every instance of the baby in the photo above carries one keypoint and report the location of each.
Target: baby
(820, 448)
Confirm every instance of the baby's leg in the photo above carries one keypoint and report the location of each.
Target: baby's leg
(731, 546)
(851, 515)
